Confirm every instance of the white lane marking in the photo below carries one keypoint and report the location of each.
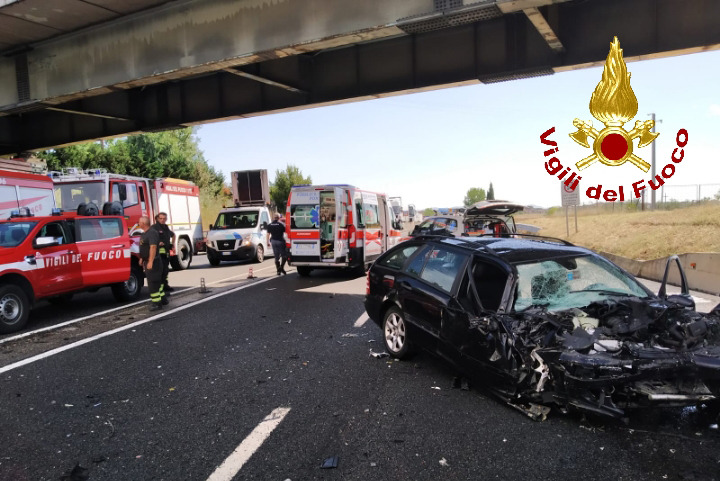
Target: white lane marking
(67, 347)
(361, 320)
(230, 467)
(98, 314)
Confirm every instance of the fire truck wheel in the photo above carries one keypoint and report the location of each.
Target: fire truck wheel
(304, 271)
(14, 308)
(183, 258)
(259, 254)
(130, 289)
(213, 259)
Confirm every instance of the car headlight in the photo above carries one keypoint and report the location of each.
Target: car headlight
(247, 240)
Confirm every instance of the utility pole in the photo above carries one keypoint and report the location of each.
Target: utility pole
(652, 172)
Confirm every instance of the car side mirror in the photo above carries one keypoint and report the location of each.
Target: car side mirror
(210, 227)
(41, 242)
(264, 225)
(416, 229)
(682, 300)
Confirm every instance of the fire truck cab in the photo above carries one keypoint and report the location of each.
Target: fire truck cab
(338, 226)
(94, 190)
(52, 257)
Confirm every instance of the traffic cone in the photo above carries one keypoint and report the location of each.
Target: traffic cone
(250, 274)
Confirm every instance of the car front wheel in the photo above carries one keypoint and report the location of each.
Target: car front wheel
(260, 254)
(395, 333)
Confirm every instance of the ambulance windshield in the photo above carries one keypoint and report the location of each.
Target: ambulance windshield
(68, 196)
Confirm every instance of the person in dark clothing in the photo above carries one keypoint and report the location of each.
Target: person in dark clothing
(276, 229)
(151, 262)
(167, 240)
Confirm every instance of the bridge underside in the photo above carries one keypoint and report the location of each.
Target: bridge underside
(413, 54)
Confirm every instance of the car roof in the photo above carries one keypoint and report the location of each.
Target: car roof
(512, 249)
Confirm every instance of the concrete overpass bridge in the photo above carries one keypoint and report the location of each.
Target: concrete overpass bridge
(76, 70)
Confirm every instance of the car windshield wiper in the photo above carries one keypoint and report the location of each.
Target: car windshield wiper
(606, 292)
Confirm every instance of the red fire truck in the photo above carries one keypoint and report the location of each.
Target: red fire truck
(52, 257)
(20, 189)
(87, 191)
(338, 226)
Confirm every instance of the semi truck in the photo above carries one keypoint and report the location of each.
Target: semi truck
(86, 191)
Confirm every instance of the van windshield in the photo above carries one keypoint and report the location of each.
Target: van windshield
(237, 220)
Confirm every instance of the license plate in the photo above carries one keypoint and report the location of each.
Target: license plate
(226, 253)
(311, 248)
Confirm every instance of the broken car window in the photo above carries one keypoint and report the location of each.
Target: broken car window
(571, 282)
(442, 268)
(397, 260)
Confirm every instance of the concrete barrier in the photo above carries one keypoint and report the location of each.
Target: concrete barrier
(701, 268)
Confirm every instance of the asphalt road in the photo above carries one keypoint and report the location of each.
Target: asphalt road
(172, 398)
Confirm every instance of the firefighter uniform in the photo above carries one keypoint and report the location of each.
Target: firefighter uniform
(153, 275)
(166, 236)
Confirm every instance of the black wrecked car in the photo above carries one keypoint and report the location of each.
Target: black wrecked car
(543, 322)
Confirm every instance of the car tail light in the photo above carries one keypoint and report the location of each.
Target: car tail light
(351, 236)
(367, 284)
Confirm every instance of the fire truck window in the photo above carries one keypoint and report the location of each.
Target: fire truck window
(132, 195)
(372, 219)
(304, 216)
(97, 229)
(54, 230)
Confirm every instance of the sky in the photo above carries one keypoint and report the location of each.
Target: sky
(431, 147)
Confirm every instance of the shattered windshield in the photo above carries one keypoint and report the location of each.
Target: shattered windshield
(569, 282)
(68, 196)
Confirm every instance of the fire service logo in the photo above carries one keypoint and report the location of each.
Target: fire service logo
(613, 103)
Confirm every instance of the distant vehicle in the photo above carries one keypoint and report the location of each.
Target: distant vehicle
(20, 189)
(397, 207)
(53, 257)
(240, 232)
(483, 218)
(338, 226)
(546, 323)
(90, 191)
(412, 213)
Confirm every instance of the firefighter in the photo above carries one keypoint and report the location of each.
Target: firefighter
(167, 240)
(276, 229)
(149, 253)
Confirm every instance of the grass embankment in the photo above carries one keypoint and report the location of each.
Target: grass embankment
(638, 235)
(209, 208)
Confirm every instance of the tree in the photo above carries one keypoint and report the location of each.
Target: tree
(172, 153)
(491, 192)
(474, 194)
(284, 180)
(428, 212)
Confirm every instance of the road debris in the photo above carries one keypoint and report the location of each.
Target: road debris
(378, 355)
(330, 463)
(443, 461)
(349, 334)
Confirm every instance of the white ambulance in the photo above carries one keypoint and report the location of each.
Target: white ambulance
(338, 226)
(20, 189)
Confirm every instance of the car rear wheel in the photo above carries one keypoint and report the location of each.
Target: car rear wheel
(14, 309)
(260, 254)
(183, 258)
(130, 289)
(395, 333)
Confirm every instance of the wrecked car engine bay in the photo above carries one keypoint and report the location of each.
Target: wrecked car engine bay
(610, 356)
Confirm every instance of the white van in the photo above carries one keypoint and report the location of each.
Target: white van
(239, 233)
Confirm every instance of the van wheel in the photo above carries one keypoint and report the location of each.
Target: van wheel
(183, 258)
(304, 271)
(260, 254)
(14, 309)
(130, 289)
(213, 259)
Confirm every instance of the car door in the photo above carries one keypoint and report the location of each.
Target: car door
(426, 290)
(104, 246)
(59, 265)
